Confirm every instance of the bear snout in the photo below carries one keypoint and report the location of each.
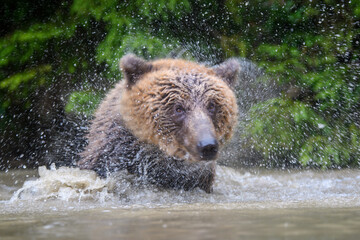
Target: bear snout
(208, 149)
(199, 138)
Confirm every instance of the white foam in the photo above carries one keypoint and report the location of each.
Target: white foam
(64, 183)
(231, 186)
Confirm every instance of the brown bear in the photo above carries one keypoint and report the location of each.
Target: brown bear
(165, 122)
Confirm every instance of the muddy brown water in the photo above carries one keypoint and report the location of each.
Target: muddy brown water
(69, 203)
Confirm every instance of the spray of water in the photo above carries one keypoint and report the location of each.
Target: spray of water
(234, 187)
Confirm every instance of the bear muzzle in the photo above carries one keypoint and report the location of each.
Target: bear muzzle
(200, 137)
(208, 148)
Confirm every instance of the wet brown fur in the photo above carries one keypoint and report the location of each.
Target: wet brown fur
(143, 104)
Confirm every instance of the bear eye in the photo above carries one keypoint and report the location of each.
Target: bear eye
(178, 113)
(179, 109)
(211, 107)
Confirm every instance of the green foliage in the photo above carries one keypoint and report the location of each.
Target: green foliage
(311, 46)
(287, 129)
(83, 102)
(25, 61)
(13, 82)
(132, 27)
(315, 48)
(279, 126)
(338, 148)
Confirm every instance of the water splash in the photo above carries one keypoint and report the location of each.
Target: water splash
(64, 183)
(260, 188)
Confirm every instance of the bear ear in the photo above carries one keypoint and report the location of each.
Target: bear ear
(133, 68)
(228, 71)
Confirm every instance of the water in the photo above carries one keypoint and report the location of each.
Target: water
(68, 203)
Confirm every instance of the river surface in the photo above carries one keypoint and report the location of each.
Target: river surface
(68, 203)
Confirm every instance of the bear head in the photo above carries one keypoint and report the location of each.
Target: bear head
(186, 109)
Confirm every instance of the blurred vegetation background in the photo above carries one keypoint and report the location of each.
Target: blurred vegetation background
(59, 58)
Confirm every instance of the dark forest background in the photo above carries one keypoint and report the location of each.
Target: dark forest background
(59, 58)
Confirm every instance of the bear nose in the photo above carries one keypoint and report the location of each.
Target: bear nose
(208, 148)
